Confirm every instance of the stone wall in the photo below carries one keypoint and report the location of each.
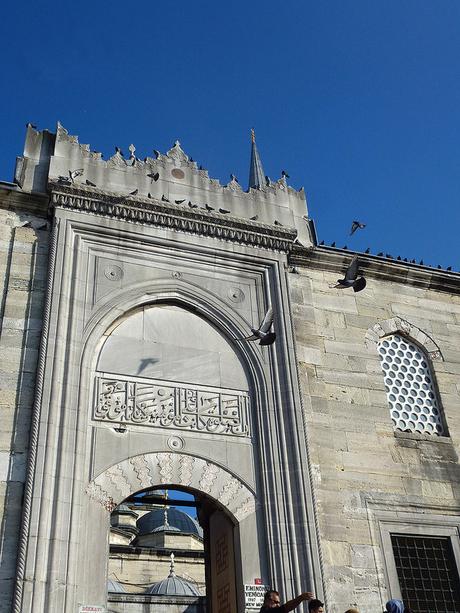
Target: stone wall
(361, 468)
(24, 238)
(138, 569)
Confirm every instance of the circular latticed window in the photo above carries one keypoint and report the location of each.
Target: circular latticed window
(410, 386)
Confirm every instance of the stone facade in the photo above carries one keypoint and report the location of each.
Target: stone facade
(366, 474)
(24, 242)
(296, 451)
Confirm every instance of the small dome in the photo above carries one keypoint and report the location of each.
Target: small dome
(177, 519)
(114, 586)
(173, 586)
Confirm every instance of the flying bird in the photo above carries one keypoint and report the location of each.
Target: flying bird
(355, 226)
(262, 333)
(285, 174)
(351, 278)
(73, 174)
(154, 176)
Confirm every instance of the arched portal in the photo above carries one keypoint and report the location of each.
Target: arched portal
(225, 503)
(172, 408)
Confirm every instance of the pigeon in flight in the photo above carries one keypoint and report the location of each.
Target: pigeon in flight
(351, 278)
(285, 174)
(263, 333)
(355, 226)
(154, 176)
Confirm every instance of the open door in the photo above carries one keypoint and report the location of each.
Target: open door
(222, 564)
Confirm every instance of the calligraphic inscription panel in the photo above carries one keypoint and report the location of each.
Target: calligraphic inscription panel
(148, 402)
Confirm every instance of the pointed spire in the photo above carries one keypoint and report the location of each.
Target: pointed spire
(256, 172)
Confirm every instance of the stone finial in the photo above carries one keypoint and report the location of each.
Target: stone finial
(171, 566)
(132, 150)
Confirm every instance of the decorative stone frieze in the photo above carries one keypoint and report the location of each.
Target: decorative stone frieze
(160, 404)
(157, 213)
(116, 483)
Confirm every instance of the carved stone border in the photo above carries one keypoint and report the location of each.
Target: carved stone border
(167, 215)
(121, 480)
(397, 324)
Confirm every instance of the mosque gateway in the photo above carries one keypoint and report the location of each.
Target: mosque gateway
(195, 409)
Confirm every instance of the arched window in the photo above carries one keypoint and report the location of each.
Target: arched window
(410, 386)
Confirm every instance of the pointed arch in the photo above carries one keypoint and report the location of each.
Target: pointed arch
(398, 325)
(139, 472)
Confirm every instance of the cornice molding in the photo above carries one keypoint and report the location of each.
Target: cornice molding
(13, 198)
(395, 271)
(162, 214)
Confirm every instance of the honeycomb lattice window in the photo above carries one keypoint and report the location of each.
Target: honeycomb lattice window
(409, 383)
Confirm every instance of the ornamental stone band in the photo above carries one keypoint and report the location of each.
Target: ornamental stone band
(160, 404)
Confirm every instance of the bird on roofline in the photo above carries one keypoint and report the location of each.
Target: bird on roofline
(351, 278)
(262, 333)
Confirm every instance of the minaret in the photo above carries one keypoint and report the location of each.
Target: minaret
(256, 172)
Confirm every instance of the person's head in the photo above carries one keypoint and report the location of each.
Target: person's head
(395, 606)
(272, 599)
(316, 606)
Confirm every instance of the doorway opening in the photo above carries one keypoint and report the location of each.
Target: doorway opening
(171, 549)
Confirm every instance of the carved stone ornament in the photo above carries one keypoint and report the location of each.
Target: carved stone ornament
(130, 475)
(113, 272)
(168, 215)
(236, 295)
(160, 404)
(176, 443)
(398, 324)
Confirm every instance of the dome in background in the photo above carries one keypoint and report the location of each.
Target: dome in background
(177, 521)
(115, 586)
(173, 585)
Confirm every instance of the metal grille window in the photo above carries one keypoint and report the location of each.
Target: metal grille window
(409, 383)
(427, 573)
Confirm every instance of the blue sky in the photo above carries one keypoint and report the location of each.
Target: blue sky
(358, 100)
